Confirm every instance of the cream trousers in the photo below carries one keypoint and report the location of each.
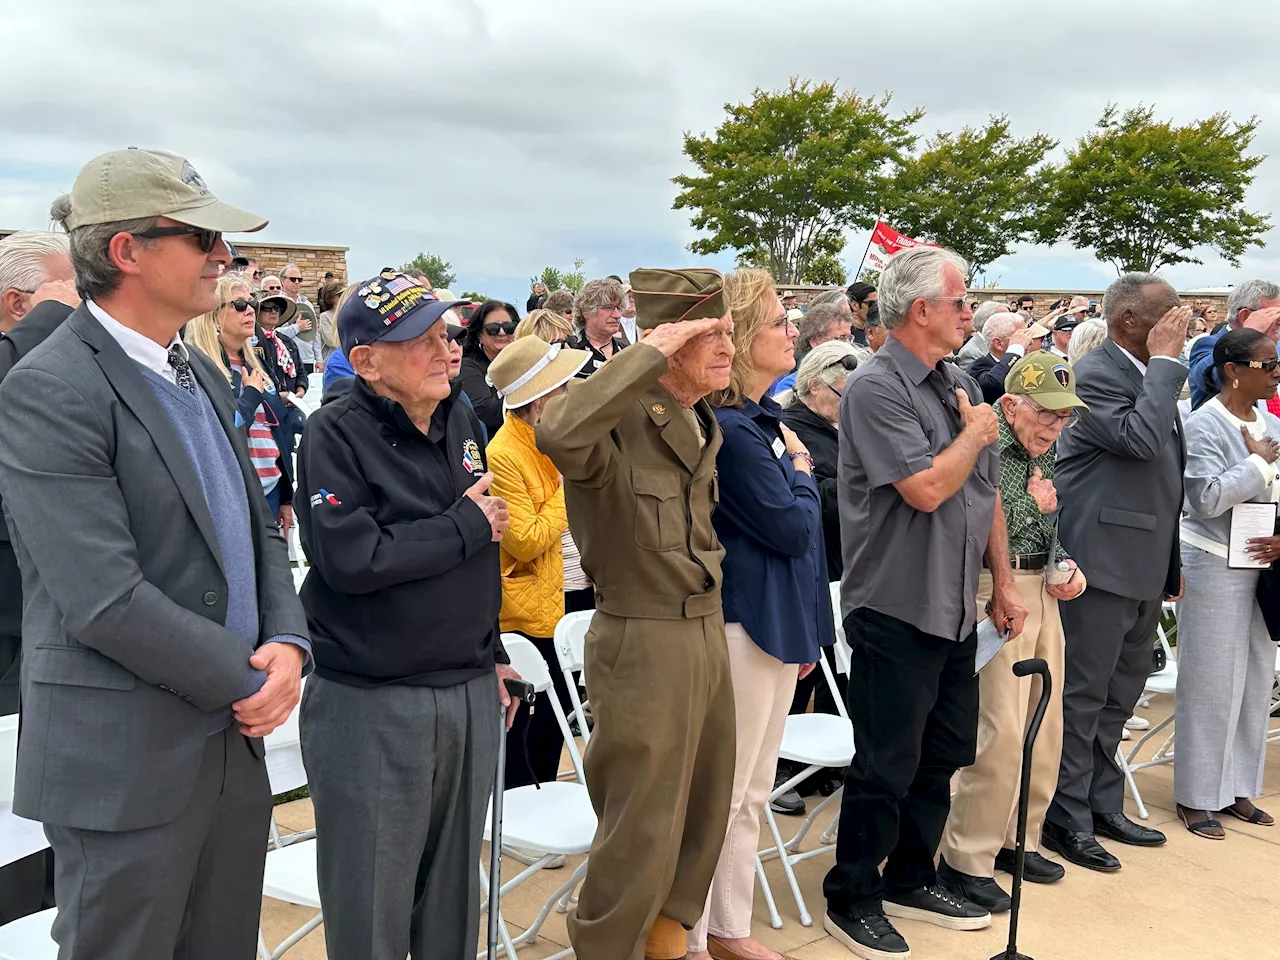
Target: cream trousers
(762, 691)
(983, 815)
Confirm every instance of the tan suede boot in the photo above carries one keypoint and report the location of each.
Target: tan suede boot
(666, 940)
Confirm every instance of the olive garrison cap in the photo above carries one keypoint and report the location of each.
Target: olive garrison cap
(666, 296)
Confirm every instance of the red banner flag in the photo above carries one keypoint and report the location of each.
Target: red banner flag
(886, 241)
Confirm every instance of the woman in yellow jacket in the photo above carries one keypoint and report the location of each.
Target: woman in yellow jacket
(527, 374)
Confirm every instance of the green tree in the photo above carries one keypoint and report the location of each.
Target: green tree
(554, 279)
(438, 271)
(1144, 193)
(473, 296)
(978, 192)
(789, 171)
(825, 269)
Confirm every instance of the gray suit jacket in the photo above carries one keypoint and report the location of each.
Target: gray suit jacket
(123, 642)
(1119, 475)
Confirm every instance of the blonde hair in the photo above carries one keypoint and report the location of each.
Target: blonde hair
(753, 302)
(546, 325)
(202, 332)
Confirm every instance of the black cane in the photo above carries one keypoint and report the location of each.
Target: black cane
(1024, 668)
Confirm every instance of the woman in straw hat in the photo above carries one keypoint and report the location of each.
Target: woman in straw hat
(527, 374)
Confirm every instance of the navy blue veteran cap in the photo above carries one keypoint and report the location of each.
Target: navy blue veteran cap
(389, 307)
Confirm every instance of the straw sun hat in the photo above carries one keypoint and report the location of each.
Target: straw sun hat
(530, 368)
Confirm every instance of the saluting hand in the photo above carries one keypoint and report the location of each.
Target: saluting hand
(1266, 320)
(1042, 491)
(980, 421)
(1169, 335)
(64, 291)
(495, 508)
(670, 337)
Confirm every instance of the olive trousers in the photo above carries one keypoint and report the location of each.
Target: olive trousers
(660, 773)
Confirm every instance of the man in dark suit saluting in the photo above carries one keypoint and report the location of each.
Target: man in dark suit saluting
(1119, 478)
(161, 634)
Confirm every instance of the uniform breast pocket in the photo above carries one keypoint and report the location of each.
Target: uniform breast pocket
(659, 508)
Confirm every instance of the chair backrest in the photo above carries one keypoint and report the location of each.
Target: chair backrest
(8, 756)
(842, 642)
(528, 662)
(571, 651)
(570, 639)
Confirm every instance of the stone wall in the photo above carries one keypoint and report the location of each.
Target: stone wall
(1043, 298)
(312, 260)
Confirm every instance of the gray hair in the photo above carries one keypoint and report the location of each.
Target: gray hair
(285, 269)
(1001, 326)
(822, 365)
(97, 275)
(24, 258)
(1085, 338)
(815, 324)
(1249, 296)
(597, 294)
(912, 275)
(831, 296)
(984, 313)
(1126, 294)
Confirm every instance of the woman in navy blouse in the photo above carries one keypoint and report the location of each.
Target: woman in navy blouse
(777, 607)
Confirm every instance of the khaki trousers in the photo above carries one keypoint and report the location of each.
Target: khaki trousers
(984, 813)
(762, 690)
(660, 772)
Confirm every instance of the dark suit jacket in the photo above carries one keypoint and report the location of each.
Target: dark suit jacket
(1119, 475)
(124, 648)
(29, 333)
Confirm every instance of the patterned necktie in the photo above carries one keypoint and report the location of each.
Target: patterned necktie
(182, 369)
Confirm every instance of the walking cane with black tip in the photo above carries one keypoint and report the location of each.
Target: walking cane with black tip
(1024, 668)
(518, 690)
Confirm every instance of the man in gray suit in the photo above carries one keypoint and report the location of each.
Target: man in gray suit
(1119, 478)
(162, 637)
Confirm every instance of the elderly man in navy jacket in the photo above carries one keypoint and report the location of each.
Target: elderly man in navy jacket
(400, 725)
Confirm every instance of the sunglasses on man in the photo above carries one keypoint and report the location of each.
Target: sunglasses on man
(292, 279)
(496, 329)
(206, 239)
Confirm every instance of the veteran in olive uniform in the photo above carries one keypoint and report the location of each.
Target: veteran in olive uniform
(636, 443)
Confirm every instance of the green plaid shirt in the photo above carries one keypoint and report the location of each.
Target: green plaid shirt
(1029, 529)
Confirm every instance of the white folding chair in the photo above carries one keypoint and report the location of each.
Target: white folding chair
(552, 819)
(285, 770)
(28, 938)
(570, 641)
(1164, 682)
(1274, 734)
(817, 740)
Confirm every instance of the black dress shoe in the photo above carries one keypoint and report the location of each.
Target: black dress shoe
(790, 804)
(1078, 848)
(983, 891)
(1118, 827)
(1035, 868)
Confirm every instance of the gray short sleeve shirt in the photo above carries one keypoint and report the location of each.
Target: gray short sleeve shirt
(922, 568)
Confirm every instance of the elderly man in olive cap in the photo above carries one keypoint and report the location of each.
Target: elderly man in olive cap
(637, 446)
(1039, 401)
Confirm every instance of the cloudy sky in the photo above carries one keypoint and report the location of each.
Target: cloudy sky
(506, 135)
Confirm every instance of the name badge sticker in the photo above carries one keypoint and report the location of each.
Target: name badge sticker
(779, 448)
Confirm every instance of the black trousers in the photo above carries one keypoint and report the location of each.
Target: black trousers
(913, 700)
(1108, 659)
(535, 742)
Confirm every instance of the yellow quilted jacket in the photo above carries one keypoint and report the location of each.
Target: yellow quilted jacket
(532, 565)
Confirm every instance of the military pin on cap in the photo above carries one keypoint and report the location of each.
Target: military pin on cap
(659, 408)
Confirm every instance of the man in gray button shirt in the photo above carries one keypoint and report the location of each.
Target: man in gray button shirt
(918, 512)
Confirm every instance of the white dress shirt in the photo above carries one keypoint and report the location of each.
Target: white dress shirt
(138, 348)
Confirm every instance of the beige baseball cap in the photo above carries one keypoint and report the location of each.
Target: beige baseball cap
(134, 184)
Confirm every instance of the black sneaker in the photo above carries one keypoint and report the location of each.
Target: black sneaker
(872, 938)
(983, 891)
(937, 906)
(790, 804)
(1035, 868)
